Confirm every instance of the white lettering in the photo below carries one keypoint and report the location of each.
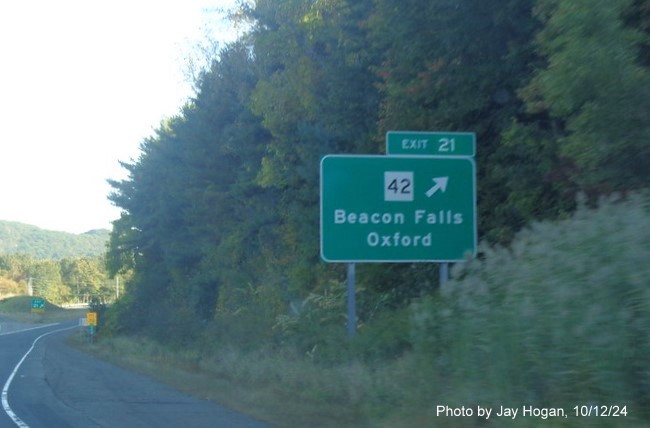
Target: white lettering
(398, 240)
(373, 239)
(453, 411)
(343, 217)
(418, 215)
(414, 143)
(339, 216)
(426, 240)
(543, 413)
(441, 217)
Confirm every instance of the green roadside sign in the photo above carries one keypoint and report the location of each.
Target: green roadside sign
(397, 208)
(431, 143)
(38, 305)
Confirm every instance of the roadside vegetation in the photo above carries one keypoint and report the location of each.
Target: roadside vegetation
(219, 232)
(18, 238)
(68, 280)
(19, 309)
(558, 318)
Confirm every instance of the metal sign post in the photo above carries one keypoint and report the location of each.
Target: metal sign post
(440, 143)
(444, 274)
(91, 322)
(418, 204)
(352, 300)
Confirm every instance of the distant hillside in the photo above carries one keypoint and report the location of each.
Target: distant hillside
(46, 244)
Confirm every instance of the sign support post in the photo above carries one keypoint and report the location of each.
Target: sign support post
(352, 300)
(91, 322)
(444, 273)
(418, 204)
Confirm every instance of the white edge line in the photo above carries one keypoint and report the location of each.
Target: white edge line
(5, 390)
(27, 329)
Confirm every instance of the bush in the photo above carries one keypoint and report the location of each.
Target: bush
(385, 336)
(316, 326)
(9, 287)
(560, 318)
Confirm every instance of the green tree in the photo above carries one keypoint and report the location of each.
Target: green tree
(316, 95)
(595, 89)
(453, 65)
(220, 212)
(86, 277)
(48, 282)
(194, 218)
(14, 266)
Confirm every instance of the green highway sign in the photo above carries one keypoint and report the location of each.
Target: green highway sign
(38, 305)
(397, 208)
(431, 143)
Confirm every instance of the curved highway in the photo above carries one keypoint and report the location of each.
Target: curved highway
(47, 384)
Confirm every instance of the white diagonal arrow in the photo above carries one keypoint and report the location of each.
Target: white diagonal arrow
(440, 184)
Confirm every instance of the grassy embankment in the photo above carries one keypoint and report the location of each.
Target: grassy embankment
(560, 319)
(19, 309)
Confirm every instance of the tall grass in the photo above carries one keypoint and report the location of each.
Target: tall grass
(561, 318)
(18, 308)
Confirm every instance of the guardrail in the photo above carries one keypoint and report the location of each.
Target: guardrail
(75, 305)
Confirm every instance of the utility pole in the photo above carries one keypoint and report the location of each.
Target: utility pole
(117, 287)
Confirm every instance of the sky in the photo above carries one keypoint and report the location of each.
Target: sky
(82, 84)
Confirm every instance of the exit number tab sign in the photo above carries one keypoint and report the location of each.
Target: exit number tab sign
(431, 143)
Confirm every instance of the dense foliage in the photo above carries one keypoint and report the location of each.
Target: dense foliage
(62, 267)
(222, 204)
(72, 279)
(220, 212)
(18, 238)
(559, 317)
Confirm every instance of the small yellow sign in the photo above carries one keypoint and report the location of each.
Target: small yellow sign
(91, 318)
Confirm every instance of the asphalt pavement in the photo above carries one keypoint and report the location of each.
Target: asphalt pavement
(57, 386)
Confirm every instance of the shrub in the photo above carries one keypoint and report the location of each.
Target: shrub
(562, 317)
(316, 326)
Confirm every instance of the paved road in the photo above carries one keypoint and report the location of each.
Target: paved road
(59, 387)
